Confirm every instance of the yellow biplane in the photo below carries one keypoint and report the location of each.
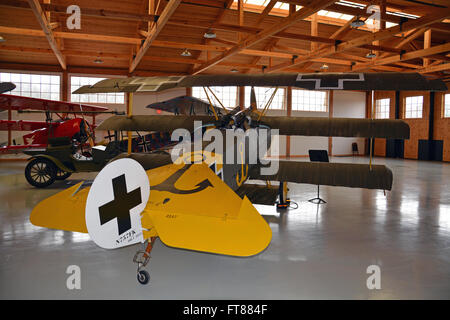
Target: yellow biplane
(204, 204)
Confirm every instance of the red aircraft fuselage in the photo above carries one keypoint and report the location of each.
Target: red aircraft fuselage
(67, 128)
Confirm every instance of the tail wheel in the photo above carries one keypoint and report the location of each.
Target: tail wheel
(40, 172)
(143, 277)
(62, 175)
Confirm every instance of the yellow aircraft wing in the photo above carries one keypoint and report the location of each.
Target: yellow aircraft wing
(189, 207)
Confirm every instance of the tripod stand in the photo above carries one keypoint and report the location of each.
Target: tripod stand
(317, 200)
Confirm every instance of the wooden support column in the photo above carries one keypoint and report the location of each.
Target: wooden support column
(426, 45)
(314, 31)
(65, 86)
(189, 91)
(151, 11)
(330, 115)
(240, 18)
(289, 113)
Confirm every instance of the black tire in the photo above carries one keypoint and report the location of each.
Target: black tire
(40, 172)
(143, 277)
(62, 175)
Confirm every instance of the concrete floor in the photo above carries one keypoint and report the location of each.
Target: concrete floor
(317, 252)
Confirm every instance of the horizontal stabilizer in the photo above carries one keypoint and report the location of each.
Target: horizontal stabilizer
(244, 236)
(200, 212)
(62, 211)
(331, 174)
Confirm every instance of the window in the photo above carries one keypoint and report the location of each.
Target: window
(447, 105)
(263, 95)
(42, 86)
(110, 97)
(413, 107)
(226, 95)
(382, 108)
(306, 100)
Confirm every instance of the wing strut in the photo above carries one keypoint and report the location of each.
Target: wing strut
(221, 104)
(268, 103)
(372, 97)
(129, 114)
(211, 105)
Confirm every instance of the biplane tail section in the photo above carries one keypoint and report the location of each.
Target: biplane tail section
(243, 236)
(188, 207)
(62, 211)
(200, 212)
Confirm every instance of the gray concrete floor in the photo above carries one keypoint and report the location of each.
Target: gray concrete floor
(317, 252)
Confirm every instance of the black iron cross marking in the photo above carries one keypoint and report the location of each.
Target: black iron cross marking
(330, 81)
(121, 205)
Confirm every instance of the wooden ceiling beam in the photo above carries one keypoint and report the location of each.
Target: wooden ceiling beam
(260, 36)
(273, 41)
(97, 13)
(43, 22)
(219, 18)
(440, 67)
(364, 40)
(169, 9)
(404, 57)
(285, 35)
(122, 56)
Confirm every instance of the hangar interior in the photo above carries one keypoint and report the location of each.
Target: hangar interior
(317, 251)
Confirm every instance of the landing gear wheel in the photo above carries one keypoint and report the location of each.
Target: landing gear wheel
(62, 175)
(141, 258)
(143, 277)
(40, 172)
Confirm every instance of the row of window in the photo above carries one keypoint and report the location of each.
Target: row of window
(413, 107)
(45, 86)
(302, 100)
(48, 87)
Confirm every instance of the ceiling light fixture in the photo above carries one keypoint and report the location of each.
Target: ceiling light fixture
(371, 55)
(357, 23)
(234, 70)
(324, 67)
(98, 60)
(209, 34)
(186, 53)
(2, 39)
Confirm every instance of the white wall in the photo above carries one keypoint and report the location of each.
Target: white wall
(142, 100)
(300, 145)
(348, 104)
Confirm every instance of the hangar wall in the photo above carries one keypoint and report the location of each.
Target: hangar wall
(441, 125)
(419, 128)
(348, 104)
